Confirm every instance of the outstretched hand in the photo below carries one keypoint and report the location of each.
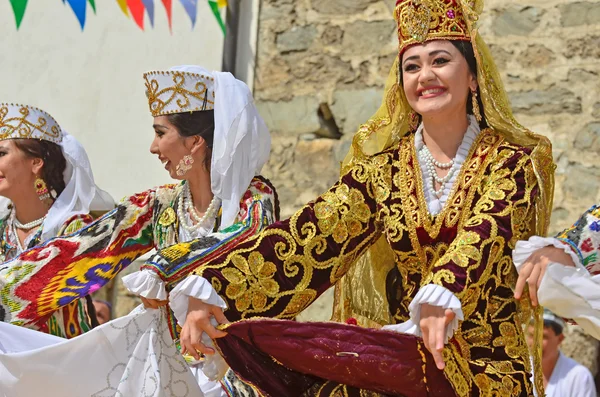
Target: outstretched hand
(198, 322)
(533, 269)
(434, 321)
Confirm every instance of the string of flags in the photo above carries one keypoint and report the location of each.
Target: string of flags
(136, 9)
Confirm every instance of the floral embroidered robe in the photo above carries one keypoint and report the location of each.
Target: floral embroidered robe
(466, 249)
(62, 270)
(584, 239)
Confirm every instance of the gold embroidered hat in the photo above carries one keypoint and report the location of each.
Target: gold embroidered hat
(424, 20)
(179, 90)
(28, 122)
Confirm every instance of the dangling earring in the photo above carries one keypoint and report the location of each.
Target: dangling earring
(413, 121)
(476, 110)
(185, 164)
(41, 189)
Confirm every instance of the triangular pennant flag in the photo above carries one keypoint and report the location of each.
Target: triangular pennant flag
(93, 4)
(137, 12)
(191, 7)
(149, 4)
(123, 6)
(18, 7)
(169, 7)
(214, 6)
(78, 7)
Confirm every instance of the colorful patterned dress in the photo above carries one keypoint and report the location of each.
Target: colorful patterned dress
(60, 271)
(68, 321)
(466, 248)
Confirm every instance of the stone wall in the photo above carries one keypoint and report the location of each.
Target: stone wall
(338, 53)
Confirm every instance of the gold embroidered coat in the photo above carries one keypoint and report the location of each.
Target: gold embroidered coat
(466, 249)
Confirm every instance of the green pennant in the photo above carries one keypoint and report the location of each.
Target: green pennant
(214, 6)
(18, 7)
(93, 4)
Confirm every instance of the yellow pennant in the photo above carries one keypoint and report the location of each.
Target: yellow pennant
(222, 3)
(123, 6)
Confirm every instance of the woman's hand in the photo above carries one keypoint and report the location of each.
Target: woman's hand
(533, 270)
(434, 320)
(197, 322)
(153, 303)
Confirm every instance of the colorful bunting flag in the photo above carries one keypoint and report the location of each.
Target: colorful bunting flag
(168, 8)
(149, 4)
(214, 6)
(137, 9)
(78, 7)
(18, 7)
(123, 6)
(191, 7)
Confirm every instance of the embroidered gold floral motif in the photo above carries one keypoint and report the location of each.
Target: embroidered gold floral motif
(167, 218)
(251, 281)
(349, 203)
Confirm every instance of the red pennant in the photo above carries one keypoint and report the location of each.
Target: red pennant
(137, 11)
(168, 7)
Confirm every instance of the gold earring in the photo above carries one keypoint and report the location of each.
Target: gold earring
(475, 102)
(185, 164)
(413, 121)
(41, 189)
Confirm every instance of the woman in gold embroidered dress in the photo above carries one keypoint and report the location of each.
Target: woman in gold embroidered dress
(418, 232)
(438, 187)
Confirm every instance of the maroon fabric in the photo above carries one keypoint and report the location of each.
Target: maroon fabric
(285, 358)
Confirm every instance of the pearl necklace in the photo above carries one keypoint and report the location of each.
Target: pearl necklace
(430, 164)
(186, 205)
(29, 225)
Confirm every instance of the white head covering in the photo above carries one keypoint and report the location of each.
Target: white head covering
(81, 195)
(242, 142)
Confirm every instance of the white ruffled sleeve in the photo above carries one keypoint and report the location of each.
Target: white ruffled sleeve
(434, 295)
(195, 287)
(524, 249)
(147, 284)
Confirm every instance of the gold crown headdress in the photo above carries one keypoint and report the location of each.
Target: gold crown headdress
(424, 20)
(28, 122)
(179, 91)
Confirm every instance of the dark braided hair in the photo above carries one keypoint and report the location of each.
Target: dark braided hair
(54, 161)
(200, 123)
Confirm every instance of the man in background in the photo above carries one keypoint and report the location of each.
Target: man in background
(563, 376)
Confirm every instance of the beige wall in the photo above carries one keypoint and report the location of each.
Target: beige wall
(91, 81)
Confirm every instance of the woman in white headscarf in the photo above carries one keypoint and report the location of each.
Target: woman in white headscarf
(211, 138)
(48, 190)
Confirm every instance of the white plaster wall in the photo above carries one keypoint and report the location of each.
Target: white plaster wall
(91, 80)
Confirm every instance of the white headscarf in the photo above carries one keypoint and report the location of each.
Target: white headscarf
(241, 144)
(80, 196)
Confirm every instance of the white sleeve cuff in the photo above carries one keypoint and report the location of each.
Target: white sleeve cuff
(147, 284)
(572, 293)
(435, 295)
(524, 249)
(195, 287)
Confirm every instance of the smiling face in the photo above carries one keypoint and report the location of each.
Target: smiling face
(436, 79)
(170, 146)
(17, 171)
